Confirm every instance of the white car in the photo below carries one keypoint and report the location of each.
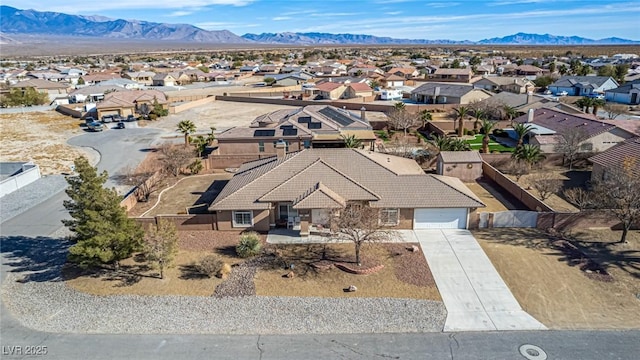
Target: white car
(548, 92)
(562, 93)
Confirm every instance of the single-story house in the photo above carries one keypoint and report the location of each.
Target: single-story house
(163, 79)
(628, 93)
(516, 85)
(615, 157)
(96, 78)
(330, 90)
(464, 165)
(141, 77)
(550, 124)
(313, 126)
(404, 72)
(290, 79)
(439, 93)
(583, 85)
(308, 187)
(452, 75)
(132, 102)
(355, 90)
(392, 80)
(53, 89)
(529, 70)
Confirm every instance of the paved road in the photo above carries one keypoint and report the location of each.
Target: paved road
(118, 148)
(476, 297)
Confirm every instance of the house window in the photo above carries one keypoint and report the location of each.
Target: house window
(261, 146)
(307, 144)
(389, 217)
(242, 219)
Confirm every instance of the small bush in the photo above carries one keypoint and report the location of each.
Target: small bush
(196, 166)
(153, 116)
(210, 265)
(469, 132)
(224, 271)
(249, 245)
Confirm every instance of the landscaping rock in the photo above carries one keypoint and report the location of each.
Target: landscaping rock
(290, 275)
(414, 248)
(352, 288)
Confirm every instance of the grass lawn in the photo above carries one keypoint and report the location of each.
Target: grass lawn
(551, 286)
(405, 273)
(476, 144)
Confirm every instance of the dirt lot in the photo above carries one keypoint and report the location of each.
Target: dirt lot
(190, 191)
(41, 137)
(493, 204)
(405, 273)
(552, 287)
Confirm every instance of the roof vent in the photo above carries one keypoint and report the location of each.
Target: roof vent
(585, 124)
(388, 159)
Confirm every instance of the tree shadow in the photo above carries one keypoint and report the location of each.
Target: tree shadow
(229, 250)
(207, 197)
(190, 272)
(38, 259)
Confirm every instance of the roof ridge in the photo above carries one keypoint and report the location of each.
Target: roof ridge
(453, 187)
(350, 179)
(375, 162)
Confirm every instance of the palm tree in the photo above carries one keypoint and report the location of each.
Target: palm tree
(200, 142)
(485, 127)
(585, 103)
(425, 116)
(351, 142)
(597, 103)
(461, 112)
(444, 143)
(211, 136)
(528, 153)
(521, 130)
(510, 113)
(479, 114)
(399, 106)
(186, 127)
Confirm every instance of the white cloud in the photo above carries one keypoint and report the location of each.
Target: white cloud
(180, 13)
(393, 13)
(281, 18)
(442, 4)
(80, 6)
(327, 14)
(213, 25)
(515, 2)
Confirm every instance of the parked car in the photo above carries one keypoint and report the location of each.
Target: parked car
(131, 118)
(117, 118)
(562, 93)
(95, 126)
(597, 96)
(120, 125)
(89, 119)
(547, 92)
(107, 118)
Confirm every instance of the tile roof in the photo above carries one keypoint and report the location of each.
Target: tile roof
(570, 81)
(40, 84)
(559, 121)
(321, 197)
(347, 174)
(446, 89)
(613, 157)
(460, 156)
(328, 86)
(360, 87)
(447, 71)
(129, 98)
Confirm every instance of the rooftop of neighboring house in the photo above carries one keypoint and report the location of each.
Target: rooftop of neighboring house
(328, 178)
(445, 89)
(617, 155)
(447, 71)
(505, 80)
(529, 69)
(40, 84)
(560, 122)
(130, 98)
(93, 77)
(635, 84)
(328, 86)
(360, 86)
(570, 81)
(460, 156)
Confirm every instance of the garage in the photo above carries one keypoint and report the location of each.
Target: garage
(446, 218)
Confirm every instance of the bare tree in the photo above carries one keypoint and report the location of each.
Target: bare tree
(545, 183)
(145, 180)
(360, 224)
(618, 193)
(161, 245)
(517, 169)
(614, 110)
(174, 158)
(571, 143)
(401, 119)
(579, 197)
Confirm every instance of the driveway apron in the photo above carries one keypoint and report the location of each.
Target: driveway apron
(476, 297)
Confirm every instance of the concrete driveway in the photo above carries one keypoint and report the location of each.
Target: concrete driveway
(476, 297)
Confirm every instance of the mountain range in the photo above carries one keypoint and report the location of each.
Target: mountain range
(32, 22)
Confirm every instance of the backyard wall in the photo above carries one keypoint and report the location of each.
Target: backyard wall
(514, 188)
(580, 220)
(183, 222)
(27, 174)
(190, 105)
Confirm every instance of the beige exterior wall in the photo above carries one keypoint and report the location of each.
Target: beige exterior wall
(406, 219)
(467, 172)
(252, 147)
(260, 221)
(606, 140)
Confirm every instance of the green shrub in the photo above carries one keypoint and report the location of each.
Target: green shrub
(153, 116)
(249, 245)
(469, 132)
(196, 166)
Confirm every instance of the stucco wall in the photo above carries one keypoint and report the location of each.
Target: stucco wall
(29, 174)
(250, 146)
(461, 171)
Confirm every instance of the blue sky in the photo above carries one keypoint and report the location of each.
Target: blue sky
(455, 19)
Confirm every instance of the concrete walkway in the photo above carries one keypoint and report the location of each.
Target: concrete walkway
(476, 297)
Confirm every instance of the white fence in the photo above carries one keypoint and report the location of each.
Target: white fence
(511, 218)
(29, 174)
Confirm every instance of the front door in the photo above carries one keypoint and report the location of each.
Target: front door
(285, 211)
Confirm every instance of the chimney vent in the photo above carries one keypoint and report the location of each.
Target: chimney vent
(281, 149)
(363, 115)
(530, 115)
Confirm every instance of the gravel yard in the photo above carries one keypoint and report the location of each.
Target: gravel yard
(40, 300)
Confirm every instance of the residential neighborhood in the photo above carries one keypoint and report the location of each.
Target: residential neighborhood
(368, 194)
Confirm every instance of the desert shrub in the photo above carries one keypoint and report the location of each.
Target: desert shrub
(249, 245)
(196, 166)
(210, 265)
(469, 132)
(153, 116)
(224, 271)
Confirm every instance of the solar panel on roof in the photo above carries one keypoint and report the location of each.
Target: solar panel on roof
(289, 132)
(304, 119)
(270, 132)
(336, 115)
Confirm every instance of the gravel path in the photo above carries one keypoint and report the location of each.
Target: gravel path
(31, 195)
(37, 297)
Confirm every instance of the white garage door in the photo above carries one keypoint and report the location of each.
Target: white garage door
(440, 218)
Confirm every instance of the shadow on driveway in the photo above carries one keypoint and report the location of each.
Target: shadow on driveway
(38, 259)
